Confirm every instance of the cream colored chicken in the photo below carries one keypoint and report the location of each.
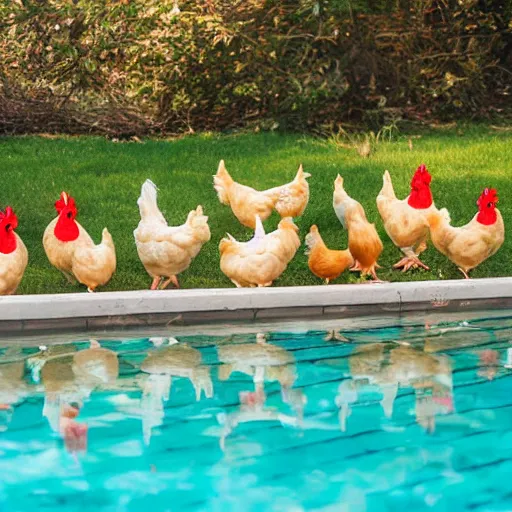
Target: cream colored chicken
(363, 240)
(166, 251)
(13, 253)
(405, 220)
(469, 245)
(263, 259)
(71, 250)
(288, 200)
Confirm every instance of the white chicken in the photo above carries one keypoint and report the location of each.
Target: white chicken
(166, 251)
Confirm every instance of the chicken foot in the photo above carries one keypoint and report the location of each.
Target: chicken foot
(411, 260)
(370, 271)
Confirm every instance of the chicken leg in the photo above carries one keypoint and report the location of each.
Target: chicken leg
(465, 273)
(155, 283)
(70, 278)
(173, 280)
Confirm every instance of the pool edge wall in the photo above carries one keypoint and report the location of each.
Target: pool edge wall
(102, 311)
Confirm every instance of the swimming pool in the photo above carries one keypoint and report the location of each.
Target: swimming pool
(396, 415)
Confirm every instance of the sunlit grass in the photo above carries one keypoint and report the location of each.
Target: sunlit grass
(105, 179)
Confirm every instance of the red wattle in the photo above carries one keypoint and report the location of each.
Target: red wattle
(421, 198)
(7, 242)
(487, 217)
(66, 230)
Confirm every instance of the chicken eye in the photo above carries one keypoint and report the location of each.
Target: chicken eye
(69, 215)
(7, 227)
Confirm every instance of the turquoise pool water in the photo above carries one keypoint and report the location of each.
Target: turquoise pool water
(402, 417)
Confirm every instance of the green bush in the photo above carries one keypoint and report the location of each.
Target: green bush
(137, 67)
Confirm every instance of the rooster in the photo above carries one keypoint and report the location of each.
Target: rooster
(166, 251)
(262, 259)
(363, 240)
(71, 250)
(13, 253)
(469, 245)
(323, 262)
(405, 220)
(288, 200)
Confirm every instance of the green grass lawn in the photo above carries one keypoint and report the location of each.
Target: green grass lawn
(105, 178)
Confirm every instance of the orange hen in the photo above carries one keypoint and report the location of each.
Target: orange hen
(363, 240)
(325, 263)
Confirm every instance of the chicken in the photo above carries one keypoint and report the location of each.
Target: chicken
(13, 253)
(405, 220)
(166, 251)
(469, 245)
(323, 262)
(261, 260)
(288, 200)
(71, 250)
(363, 240)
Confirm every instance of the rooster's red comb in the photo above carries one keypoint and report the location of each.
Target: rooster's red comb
(64, 201)
(422, 174)
(489, 195)
(9, 216)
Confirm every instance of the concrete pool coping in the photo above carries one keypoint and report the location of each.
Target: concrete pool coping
(107, 310)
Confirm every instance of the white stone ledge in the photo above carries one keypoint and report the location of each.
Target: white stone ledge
(144, 302)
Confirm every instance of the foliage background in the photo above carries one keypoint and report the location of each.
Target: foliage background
(124, 67)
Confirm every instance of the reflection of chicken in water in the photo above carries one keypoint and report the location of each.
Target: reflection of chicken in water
(69, 376)
(489, 362)
(252, 408)
(12, 386)
(261, 361)
(387, 367)
(177, 360)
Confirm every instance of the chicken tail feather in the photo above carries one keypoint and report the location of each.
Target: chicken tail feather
(147, 201)
(312, 239)
(387, 186)
(222, 182)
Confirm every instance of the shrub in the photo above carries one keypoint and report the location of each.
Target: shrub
(131, 67)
